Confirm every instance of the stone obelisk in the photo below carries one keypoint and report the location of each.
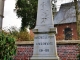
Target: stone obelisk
(1, 12)
(44, 41)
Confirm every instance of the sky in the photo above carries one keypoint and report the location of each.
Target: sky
(10, 19)
(59, 2)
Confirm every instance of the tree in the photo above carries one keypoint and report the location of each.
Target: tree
(27, 10)
(77, 18)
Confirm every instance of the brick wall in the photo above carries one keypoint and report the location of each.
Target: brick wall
(65, 52)
(24, 52)
(61, 28)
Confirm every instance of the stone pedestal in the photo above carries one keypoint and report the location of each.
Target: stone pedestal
(44, 40)
(45, 45)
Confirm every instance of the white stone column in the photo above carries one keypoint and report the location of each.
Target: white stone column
(44, 14)
(1, 12)
(44, 40)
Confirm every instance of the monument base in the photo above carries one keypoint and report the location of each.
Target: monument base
(44, 58)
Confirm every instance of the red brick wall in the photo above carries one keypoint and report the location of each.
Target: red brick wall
(68, 52)
(60, 30)
(24, 52)
(65, 52)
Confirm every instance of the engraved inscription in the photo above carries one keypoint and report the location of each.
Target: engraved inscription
(43, 50)
(44, 37)
(44, 43)
(43, 4)
(40, 50)
(46, 50)
(43, 20)
(44, 17)
(44, 12)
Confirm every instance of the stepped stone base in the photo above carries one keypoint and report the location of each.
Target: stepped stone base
(44, 58)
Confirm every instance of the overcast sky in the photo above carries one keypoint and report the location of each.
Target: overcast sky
(10, 18)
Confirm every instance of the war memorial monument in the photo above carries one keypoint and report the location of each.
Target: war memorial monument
(44, 40)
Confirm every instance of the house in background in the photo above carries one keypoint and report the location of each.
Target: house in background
(65, 21)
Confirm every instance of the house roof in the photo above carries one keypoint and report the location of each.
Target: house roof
(66, 14)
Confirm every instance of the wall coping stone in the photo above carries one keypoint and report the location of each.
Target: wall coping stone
(58, 42)
(24, 42)
(68, 41)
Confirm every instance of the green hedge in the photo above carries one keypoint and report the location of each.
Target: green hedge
(7, 47)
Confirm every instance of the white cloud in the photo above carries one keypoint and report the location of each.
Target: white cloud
(10, 18)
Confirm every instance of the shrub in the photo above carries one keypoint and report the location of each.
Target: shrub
(21, 35)
(24, 36)
(7, 47)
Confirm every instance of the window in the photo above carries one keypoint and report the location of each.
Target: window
(68, 34)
